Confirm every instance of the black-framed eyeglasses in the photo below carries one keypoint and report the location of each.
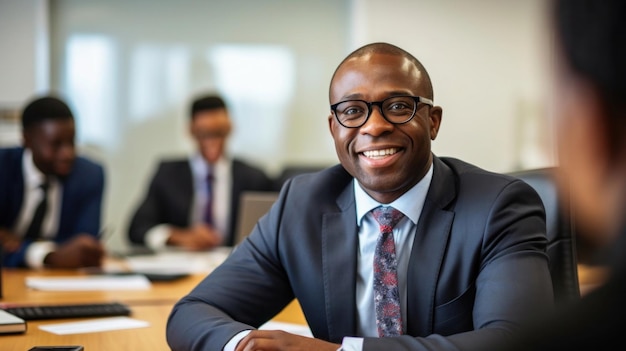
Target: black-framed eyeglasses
(395, 109)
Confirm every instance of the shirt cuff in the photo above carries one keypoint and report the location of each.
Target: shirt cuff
(232, 343)
(156, 237)
(37, 252)
(351, 344)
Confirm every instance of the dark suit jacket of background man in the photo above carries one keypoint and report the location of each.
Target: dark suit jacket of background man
(82, 199)
(476, 229)
(169, 198)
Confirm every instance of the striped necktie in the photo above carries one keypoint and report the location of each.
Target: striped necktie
(208, 209)
(34, 229)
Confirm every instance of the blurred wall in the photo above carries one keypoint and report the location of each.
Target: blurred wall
(130, 68)
(25, 53)
(24, 60)
(487, 61)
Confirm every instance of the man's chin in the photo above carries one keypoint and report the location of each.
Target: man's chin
(62, 172)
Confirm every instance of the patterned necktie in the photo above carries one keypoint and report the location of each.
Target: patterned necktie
(386, 292)
(34, 229)
(208, 210)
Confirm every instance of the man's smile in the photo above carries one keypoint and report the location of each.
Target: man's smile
(382, 153)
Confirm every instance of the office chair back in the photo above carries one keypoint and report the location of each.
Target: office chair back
(561, 234)
(294, 170)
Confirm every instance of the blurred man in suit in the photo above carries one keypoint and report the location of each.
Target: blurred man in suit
(193, 202)
(590, 114)
(50, 198)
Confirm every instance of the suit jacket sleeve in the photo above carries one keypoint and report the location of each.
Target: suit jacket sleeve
(83, 191)
(11, 193)
(249, 289)
(167, 201)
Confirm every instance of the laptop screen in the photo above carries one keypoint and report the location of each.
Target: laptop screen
(252, 206)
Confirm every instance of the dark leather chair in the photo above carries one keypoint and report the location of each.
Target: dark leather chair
(294, 170)
(561, 234)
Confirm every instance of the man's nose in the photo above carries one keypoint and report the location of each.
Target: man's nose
(376, 124)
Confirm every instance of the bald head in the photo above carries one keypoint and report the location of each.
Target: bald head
(389, 49)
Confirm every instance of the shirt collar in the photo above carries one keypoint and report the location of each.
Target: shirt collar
(410, 203)
(33, 177)
(201, 168)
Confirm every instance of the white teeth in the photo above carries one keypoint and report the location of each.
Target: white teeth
(380, 153)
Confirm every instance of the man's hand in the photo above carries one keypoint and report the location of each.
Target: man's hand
(10, 242)
(197, 238)
(278, 340)
(81, 251)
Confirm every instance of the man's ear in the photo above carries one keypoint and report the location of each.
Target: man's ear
(590, 125)
(190, 130)
(435, 115)
(602, 131)
(331, 121)
(26, 138)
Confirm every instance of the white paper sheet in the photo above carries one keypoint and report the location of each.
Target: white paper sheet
(89, 283)
(94, 325)
(178, 261)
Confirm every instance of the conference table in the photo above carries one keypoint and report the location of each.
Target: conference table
(152, 305)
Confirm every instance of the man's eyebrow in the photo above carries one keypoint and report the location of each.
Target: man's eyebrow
(359, 96)
(400, 93)
(356, 96)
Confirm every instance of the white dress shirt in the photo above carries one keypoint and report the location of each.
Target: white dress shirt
(33, 178)
(157, 236)
(410, 204)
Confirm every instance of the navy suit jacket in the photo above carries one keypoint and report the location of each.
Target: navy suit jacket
(170, 195)
(81, 206)
(478, 265)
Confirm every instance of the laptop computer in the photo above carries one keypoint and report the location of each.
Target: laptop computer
(252, 206)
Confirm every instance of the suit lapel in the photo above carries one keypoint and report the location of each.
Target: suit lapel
(339, 249)
(185, 189)
(433, 230)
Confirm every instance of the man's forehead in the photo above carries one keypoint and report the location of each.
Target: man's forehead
(370, 63)
(53, 124)
(212, 120)
(373, 58)
(212, 113)
(376, 68)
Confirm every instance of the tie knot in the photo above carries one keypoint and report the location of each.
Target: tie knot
(387, 217)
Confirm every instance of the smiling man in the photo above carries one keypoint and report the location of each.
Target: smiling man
(393, 249)
(50, 198)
